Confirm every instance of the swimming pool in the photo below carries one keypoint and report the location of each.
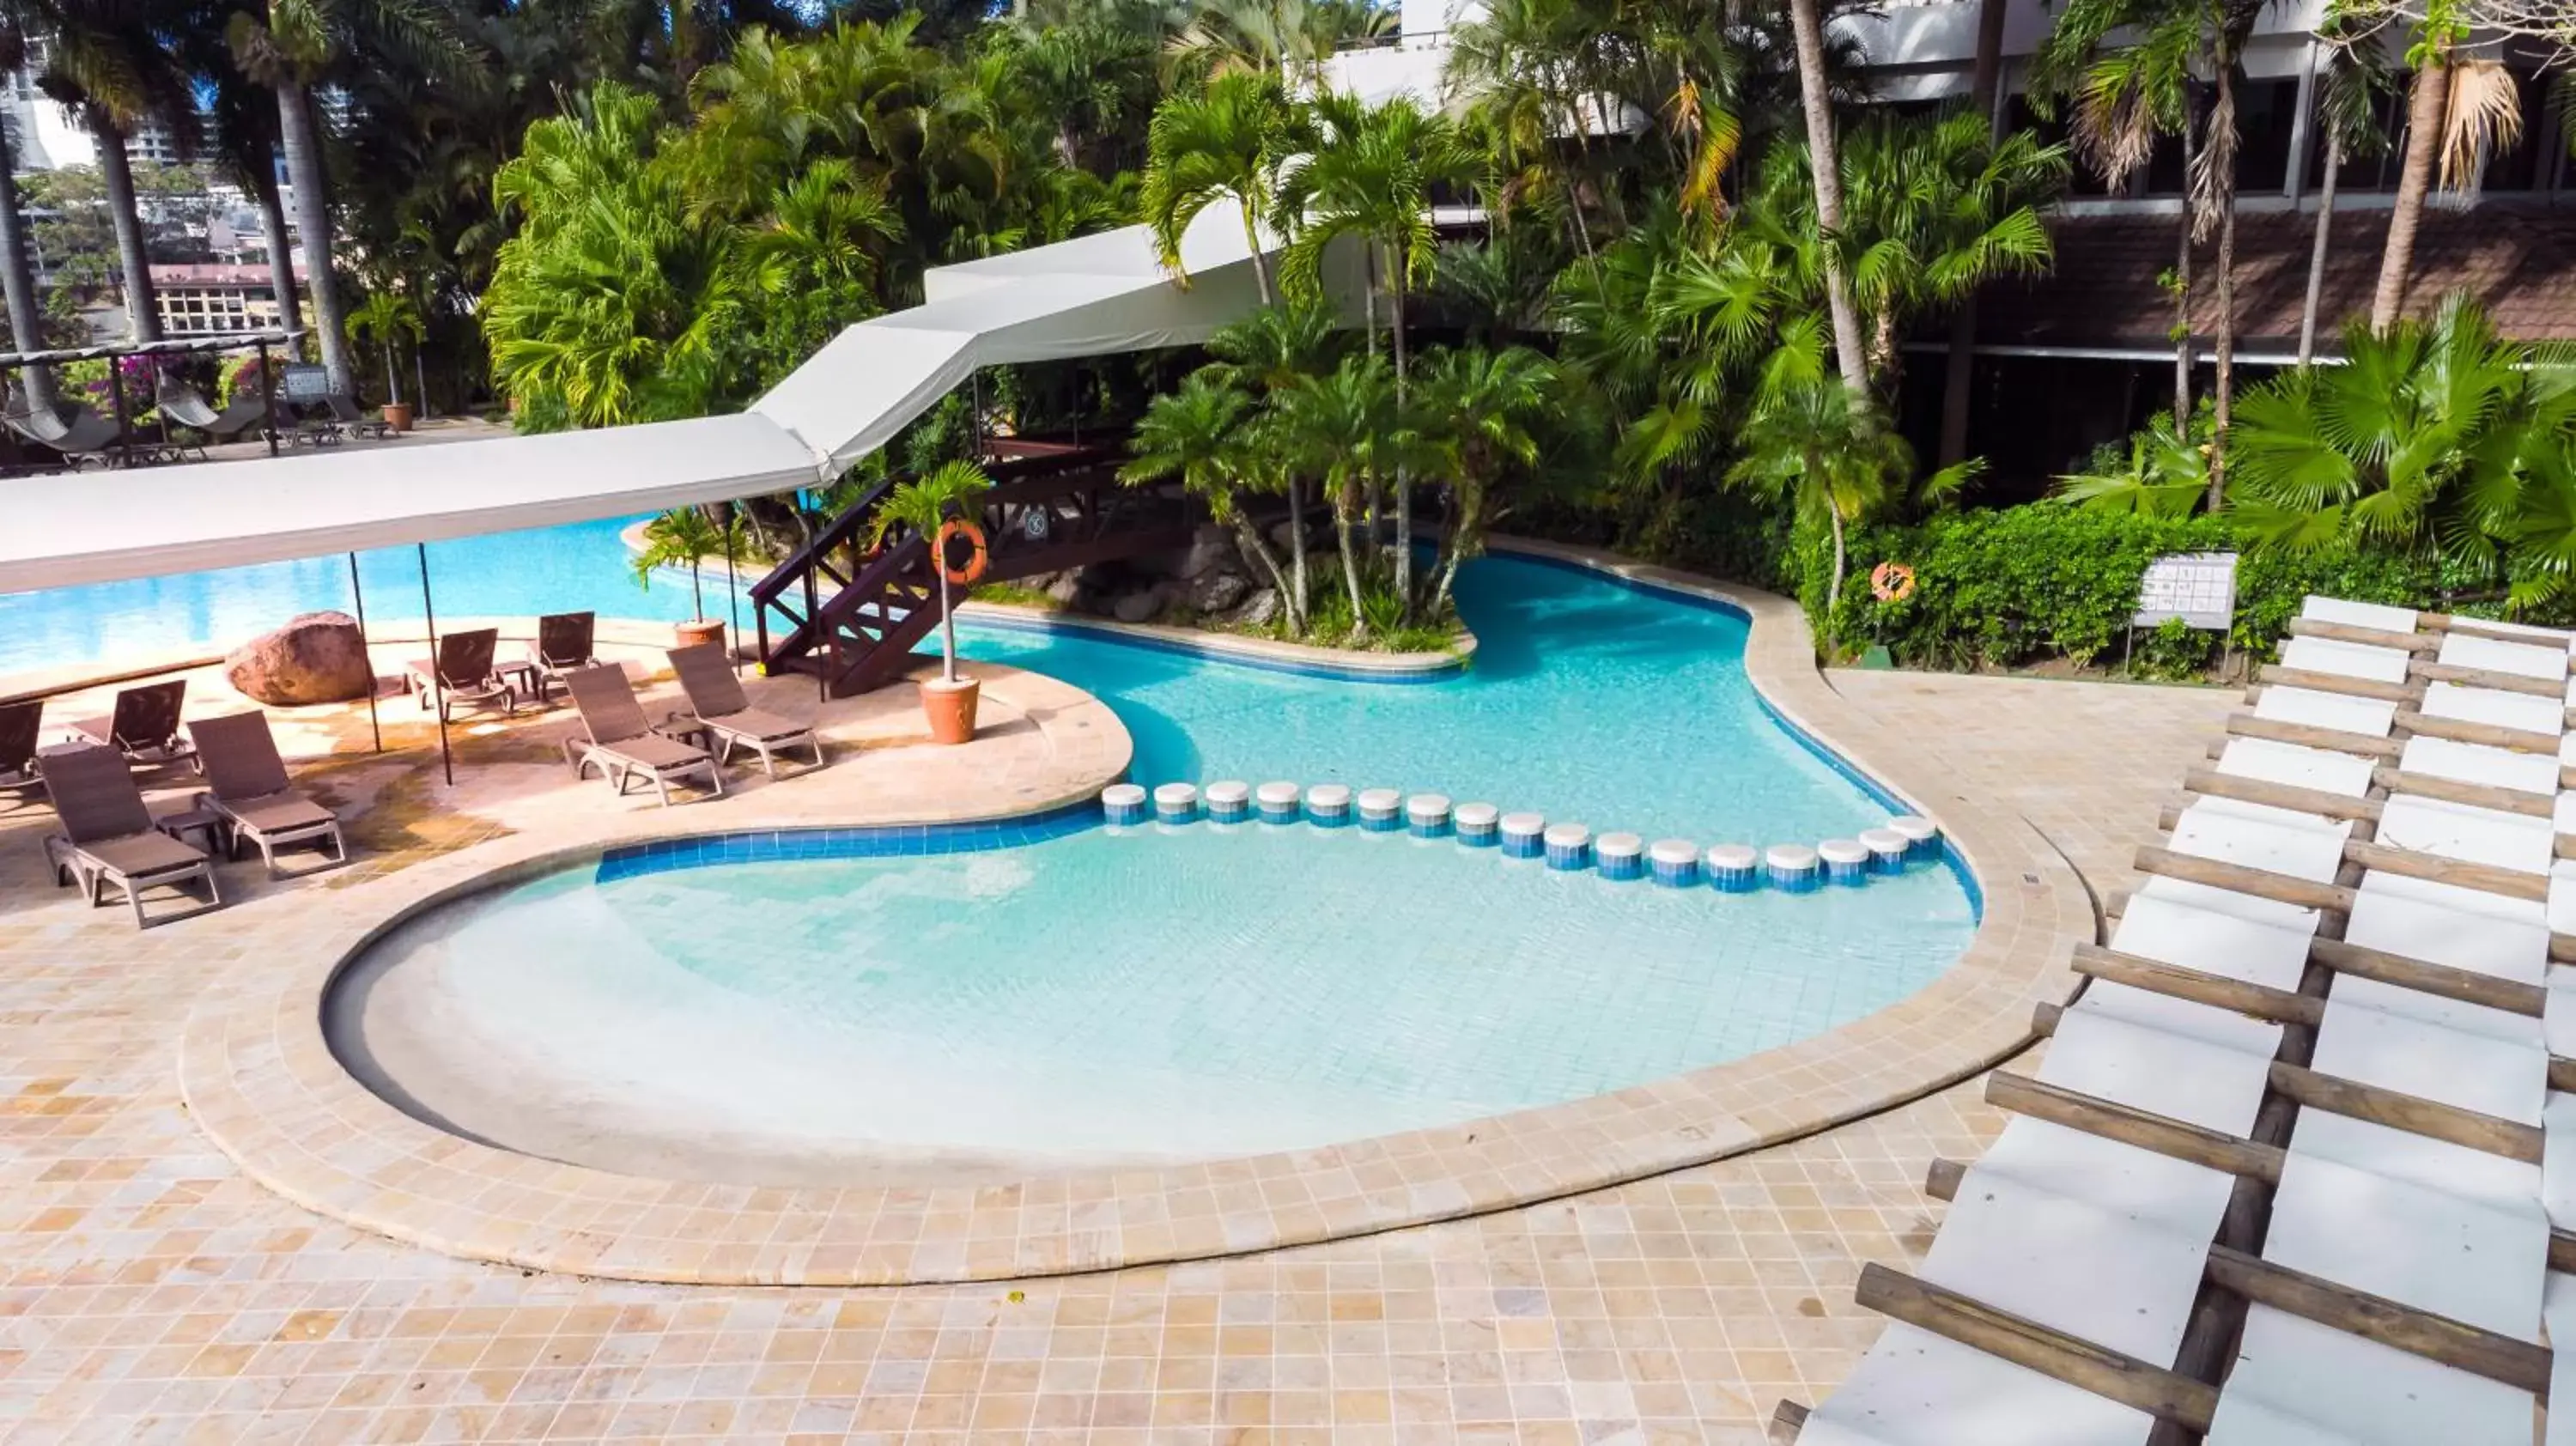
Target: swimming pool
(1109, 995)
(1089, 997)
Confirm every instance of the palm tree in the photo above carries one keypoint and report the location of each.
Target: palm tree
(17, 278)
(388, 317)
(1483, 412)
(1269, 352)
(1935, 209)
(1340, 426)
(1224, 143)
(2429, 437)
(1202, 435)
(2165, 474)
(2347, 111)
(1826, 450)
(614, 303)
(1817, 105)
(2460, 110)
(107, 61)
(288, 50)
(924, 504)
(686, 537)
(1087, 74)
(1370, 176)
(814, 260)
(2128, 66)
(1985, 78)
(244, 126)
(1514, 66)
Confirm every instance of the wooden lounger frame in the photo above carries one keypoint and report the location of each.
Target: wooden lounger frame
(2184, 1398)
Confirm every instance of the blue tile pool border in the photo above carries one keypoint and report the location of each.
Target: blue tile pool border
(752, 846)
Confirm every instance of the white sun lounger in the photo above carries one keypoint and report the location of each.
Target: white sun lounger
(2107, 1242)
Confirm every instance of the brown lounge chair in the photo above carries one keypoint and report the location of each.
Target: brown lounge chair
(145, 725)
(718, 705)
(563, 644)
(253, 796)
(622, 741)
(21, 726)
(108, 836)
(463, 675)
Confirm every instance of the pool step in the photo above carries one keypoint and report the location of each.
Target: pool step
(1792, 868)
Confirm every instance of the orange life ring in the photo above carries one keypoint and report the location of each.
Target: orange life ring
(973, 571)
(1891, 582)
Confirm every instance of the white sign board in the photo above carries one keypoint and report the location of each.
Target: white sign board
(299, 382)
(2197, 587)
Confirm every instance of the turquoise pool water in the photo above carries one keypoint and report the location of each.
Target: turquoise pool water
(1588, 701)
(1096, 997)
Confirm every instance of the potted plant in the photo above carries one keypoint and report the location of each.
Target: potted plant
(389, 316)
(950, 490)
(683, 538)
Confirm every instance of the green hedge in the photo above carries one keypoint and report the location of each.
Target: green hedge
(2020, 585)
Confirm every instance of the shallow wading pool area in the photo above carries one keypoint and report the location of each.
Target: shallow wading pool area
(986, 1005)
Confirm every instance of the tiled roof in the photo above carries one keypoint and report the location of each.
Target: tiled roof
(2103, 293)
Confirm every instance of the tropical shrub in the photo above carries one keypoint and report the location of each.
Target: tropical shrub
(2011, 587)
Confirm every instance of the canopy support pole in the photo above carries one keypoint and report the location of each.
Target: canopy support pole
(267, 400)
(437, 679)
(359, 594)
(733, 597)
(116, 396)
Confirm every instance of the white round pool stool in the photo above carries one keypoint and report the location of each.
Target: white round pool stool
(1479, 825)
(1887, 850)
(1176, 802)
(1793, 867)
(1523, 835)
(1846, 861)
(1735, 868)
(1277, 802)
(1229, 801)
(1568, 846)
(1329, 804)
(1922, 836)
(1674, 862)
(1619, 856)
(1381, 810)
(1123, 802)
(1426, 815)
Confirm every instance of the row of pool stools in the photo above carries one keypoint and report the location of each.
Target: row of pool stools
(1677, 863)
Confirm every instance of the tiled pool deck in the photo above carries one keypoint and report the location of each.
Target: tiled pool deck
(153, 1291)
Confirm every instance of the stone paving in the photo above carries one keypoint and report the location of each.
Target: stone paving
(149, 1290)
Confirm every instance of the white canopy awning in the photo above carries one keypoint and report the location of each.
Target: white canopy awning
(1087, 297)
(103, 526)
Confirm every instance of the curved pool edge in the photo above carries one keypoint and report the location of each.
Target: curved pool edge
(260, 1078)
(1269, 654)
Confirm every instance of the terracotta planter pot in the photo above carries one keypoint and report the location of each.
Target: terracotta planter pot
(950, 707)
(701, 631)
(398, 416)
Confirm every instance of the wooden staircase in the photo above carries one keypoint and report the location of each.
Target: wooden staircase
(849, 617)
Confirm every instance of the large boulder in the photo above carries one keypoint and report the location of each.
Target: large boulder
(1255, 611)
(1211, 547)
(1139, 607)
(315, 658)
(1214, 592)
